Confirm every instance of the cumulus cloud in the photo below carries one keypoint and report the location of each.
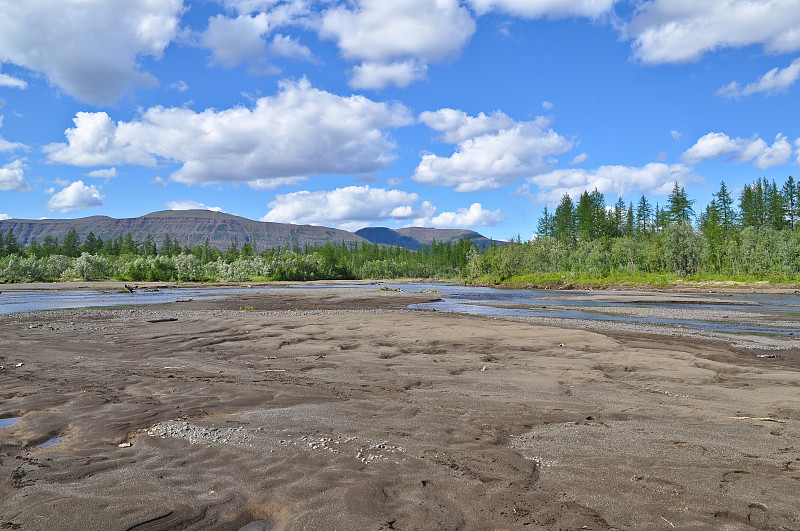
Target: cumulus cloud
(76, 196)
(12, 82)
(381, 34)
(107, 173)
(286, 46)
(12, 177)
(763, 155)
(474, 216)
(350, 208)
(188, 204)
(300, 131)
(654, 178)
(158, 181)
(4, 216)
(676, 135)
(233, 40)
(670, 31)
(579, 159)
(375, 76)
(500, 153)
(775, 81)
(90, 49)
(457, 126)
(545, 8)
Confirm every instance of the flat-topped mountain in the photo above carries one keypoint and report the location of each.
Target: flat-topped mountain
(192, 227)
(188, 227)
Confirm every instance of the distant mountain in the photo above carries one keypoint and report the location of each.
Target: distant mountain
(415, 237)
(188, 227)
(192, 227)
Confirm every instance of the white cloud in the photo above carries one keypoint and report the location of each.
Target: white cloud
(713, 145)
(107, 173)
(277, 182)
(188, 204)
(286, 46)
(233, 40)
(797, 152)
(50, 191)
(4, 216)
(545, 8)
(180, 86)
(351, 208)
(457, 126)
(548, 106)
(12, 82)
(494, 158)
(91, 48)
(12, 177)
(375, 76)
(378, 32)
(709, 146)
(474, 216)
(670, 31)
(676, 135)
(76, 196)
(775, 81)
(579, 159)
(300, 131)
(653, 178)
(158, 181)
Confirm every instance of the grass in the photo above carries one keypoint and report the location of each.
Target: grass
(574, 280)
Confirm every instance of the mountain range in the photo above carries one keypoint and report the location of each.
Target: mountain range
(192, 227)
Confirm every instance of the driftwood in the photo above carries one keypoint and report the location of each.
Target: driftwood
(763, 419)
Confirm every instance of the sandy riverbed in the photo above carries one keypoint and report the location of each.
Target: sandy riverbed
(334, 409)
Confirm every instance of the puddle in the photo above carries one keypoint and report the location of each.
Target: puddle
(259, 525)
(7, 423)
(51, 442)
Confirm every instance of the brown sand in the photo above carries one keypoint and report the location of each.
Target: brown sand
(323, 410)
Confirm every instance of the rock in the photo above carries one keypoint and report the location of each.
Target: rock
(124, 445)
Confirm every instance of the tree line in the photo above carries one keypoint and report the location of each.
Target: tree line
(754, 238)
(125, 258)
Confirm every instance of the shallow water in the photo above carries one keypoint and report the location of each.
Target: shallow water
(29, 301)
(51, 442)
(7, 423)
(782, 310)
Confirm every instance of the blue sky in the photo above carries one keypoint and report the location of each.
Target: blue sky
(442, 113)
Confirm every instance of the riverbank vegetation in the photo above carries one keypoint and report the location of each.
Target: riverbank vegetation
(583, 243)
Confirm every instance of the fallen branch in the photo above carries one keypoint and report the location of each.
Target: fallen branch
(667, 521)
(763, 419)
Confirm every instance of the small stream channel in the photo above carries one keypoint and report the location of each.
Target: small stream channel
(756, 313)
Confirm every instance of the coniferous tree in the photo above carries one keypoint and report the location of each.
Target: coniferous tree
(590, 216)
(790, 191)
(630, 224)
(776, 206)
(643, 212)
(90, 244)
(71, 246)
(679, 206)
(724, 205)
(545, 225)
(564, 220)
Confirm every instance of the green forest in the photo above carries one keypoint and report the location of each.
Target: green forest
(586, 243)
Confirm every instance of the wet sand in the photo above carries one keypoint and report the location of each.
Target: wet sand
(334, 409)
